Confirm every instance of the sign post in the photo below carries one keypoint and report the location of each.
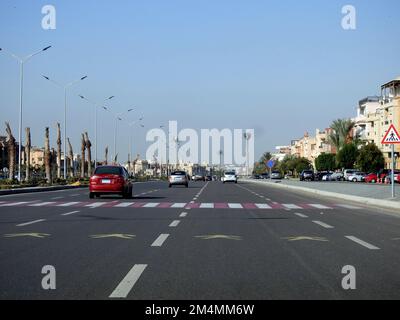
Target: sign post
(392, 137)
(270, 164)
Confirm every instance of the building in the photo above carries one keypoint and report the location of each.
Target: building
(281, 152)
(366, 106)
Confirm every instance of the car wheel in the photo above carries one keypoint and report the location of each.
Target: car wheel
(354, 180)
(373, 181)
(235, 181)
(169, 186)
(91, 195)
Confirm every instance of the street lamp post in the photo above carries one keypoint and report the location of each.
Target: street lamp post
(65, 87)
(21, 87)
(96, 105)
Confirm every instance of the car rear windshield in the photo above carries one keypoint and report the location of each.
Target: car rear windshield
(309, 172)
(230, 173)
(178, 173)
(275, 172)
(108, 170)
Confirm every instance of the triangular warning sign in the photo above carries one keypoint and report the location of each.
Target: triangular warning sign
(392, 136)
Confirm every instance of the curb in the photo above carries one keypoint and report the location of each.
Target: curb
(37, 189)
(375, 202)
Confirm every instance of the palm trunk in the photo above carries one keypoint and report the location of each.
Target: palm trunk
(11, 152)
(59, 151)
(89, 154)
(47, 157)
(71, 159)
(28, 153)
(106, 156)
(83, 147)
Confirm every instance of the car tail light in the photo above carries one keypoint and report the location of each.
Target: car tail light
(119, 180)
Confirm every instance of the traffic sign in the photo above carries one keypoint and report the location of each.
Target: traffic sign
(270, 164)
(392, 136)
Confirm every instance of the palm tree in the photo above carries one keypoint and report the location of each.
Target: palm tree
(83, 148)
(28, 153)
(11, 152)
(341, 133)
(47, 158)
(89, 153)
(71, 159)
(59, 151)
(265, 157)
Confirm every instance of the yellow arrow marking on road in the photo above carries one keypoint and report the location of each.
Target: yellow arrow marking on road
(305, 238)
(218, 236)
(34, 235)
(113, 235)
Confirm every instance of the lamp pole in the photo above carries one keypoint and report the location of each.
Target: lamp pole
(65, 87)
(96, 105)
(21, 91)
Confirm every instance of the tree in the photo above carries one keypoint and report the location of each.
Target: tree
(28, 153)
(325, 162)
(106, 155)
(71, 159)
(266, 157)
(347, 156)
(341, 133)
(11, 152)
(47, 157)
(59, 151)
(302, 164)
(89, 153)
(83, 149)
(370, 158)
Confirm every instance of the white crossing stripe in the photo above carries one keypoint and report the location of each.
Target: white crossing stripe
(207, 205)
(262, 206)
(183, 214)
(300, 215)
(291, 206)
(126, 285)
(361, 242)
(160, 240)
(178, 205)
(68, 213)
(319, 206)
(11, 204)
(123, 204)
(322, 224)
(95, 204)
(235, 206)
(174, 223)
(40, 204)
(67, 204)
(151, 205)
(347, 206)
(31, 222)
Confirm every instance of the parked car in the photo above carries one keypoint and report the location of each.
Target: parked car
(276, 174)
(198, 177)
(327, 176)
(357, 177)
(208, 178)
(348, 172)
(336, 176)
(388, 177)
(230, 176)
(256, 176)
(177, 178)
(264, 176)
(371, 178)
(110, 180)
(307, 175)
(319, 175)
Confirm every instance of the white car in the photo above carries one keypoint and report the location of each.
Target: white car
(229, 176)
(357, 177)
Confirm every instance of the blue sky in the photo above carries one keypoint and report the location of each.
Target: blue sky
(282, 68)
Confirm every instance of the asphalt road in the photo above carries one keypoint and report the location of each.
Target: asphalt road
(208, 241)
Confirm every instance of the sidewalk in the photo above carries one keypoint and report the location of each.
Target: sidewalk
(374, 194)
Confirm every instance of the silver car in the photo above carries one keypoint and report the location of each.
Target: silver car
(178, 178)
(276, 175)
(357, 177)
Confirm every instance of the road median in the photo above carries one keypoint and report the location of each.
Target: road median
(40, 189)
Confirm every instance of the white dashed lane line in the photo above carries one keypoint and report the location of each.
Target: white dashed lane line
(300, 215)
(55, 198)
(29, 223)
(322, 224)
(183, 214)
(174, 223)
(126, 285)
(68, 213)
(362, 243)
(160, 240)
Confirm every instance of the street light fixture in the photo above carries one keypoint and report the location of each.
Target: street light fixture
(65, 87)
(21, 87)
(96, 105)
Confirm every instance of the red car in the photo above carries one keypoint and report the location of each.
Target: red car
(371, 178)
(110, 180)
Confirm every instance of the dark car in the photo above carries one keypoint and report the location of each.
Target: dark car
(264, 176)
(307, 175)
(110, 180)
(208, 178)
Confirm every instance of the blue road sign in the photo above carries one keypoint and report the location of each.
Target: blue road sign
(270, 164)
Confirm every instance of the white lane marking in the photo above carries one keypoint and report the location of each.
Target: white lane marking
(151, 205)
(95, 204)
(31, 222)
(75, 195)
(319, 206)
(126, 285)
(178, 205)
(68, 213)
(160, 240)
(183, 214)
(291, 206)
(40, 204)
(174, 223)
(262, 206)
(323, 224)
(123, 204)
(235, 206)
(55, 198)
(268, 199)
(361, 242)
(67, 204)
(300, 215)
(347, 206)
(13, 204)
(207, 205)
